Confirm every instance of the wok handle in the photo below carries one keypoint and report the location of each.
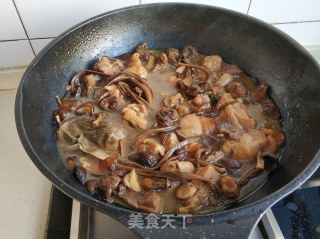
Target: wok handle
(185, 226)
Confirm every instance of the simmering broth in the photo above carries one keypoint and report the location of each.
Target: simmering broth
(169, 131)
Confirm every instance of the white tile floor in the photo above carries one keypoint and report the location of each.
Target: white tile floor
(25, 191)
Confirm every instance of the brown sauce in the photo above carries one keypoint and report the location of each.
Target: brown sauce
(215, 134)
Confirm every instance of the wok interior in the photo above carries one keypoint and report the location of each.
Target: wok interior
(263, 53)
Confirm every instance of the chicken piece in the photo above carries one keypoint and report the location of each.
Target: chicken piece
(149, 202)
(247, 147)
(201, 102)
(259, 93)
(237, 89)
(171, 101)
(166, 117)
(143, 51)
(131, 181)
(196, 125)
(238, 116)
(135, 66)
(108, 66)
(224, 80)
(275, 139)
(182, 109)
(225, 99)
(197, 201)
(208, 172)
(177, 166)
(231, 69)
(171, 141)
(135, 114)
(212, 63)
(151, 146)
(229, 187)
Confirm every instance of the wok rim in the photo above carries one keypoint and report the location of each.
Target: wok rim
(250, 209)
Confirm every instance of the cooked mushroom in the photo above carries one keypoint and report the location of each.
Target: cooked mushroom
(112, 103)
(107, 185)
(166, 117)
(192, 91)
(154, 183)
(80, 174)
(259, 93)
(176, 166)
(187, 54)
(135, 80)
(186, 190)
(88, 82)
(144, 158)
(91, 185)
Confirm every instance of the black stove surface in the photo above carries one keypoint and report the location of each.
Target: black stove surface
(298, 215)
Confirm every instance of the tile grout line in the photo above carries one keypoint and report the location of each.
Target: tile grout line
(249, 7)
(24, 28)
(26, 39)
(294, 22)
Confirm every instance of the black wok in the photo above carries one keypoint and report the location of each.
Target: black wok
(260, 49)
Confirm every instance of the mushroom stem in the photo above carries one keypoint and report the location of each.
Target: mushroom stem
(197, 67)
(155, 131)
